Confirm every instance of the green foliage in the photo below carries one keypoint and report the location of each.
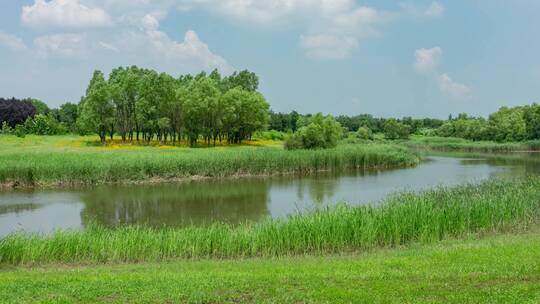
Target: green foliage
(396, 130)
(6, 129)
(364, 133)
(506, 125)
(270, 135)
(91, 165)
(142, 102)
(321, 132)
(401, 219)
(67, 114)
(98, 111)
(44, 125)
(40, 106)
(20, 131)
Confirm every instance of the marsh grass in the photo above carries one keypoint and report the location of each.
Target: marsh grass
(402, 219)
(460, 144)
(32, 163)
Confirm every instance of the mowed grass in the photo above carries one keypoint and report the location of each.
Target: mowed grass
(66, 161)
(460, 144)
(402, 219)
(493, 269)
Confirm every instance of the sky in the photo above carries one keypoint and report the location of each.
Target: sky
(387, 58)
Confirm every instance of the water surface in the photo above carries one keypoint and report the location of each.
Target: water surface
(237, 200)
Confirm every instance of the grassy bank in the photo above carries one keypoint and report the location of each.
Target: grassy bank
(402, 219)
(29, 162)
(494, 269)
(460, 144)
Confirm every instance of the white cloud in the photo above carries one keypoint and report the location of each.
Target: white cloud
(150, 22)
(436, 9)
(61, 45)
(332, 28)
(449, 86)
(159, 48)
(11, 42)
(328, 46)
(63, 14)
(426, 63)
(427, 60)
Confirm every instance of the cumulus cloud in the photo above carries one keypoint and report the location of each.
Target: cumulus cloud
(11, 42)
(332, 28)
(426, 63)
(427, 59)
(449, 86)
(135, 39)
(63, 14)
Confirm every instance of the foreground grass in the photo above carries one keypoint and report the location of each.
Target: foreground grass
(403, 219)
(29, 162)
(495, 269)
(460, 144)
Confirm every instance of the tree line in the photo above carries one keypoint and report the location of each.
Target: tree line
(292, 121)
(141, 104)
(506, 125)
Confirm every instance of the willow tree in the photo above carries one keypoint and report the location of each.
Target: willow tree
(98, 111)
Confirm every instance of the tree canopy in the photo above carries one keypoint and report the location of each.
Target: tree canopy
(136, 103)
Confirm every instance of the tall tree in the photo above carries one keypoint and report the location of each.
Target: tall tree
(97, 108)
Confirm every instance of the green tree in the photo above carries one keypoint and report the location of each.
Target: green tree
(532, 121)
(97, 108)
(364, 133)
(40, 106)
(396, 130)
(67, 114)
(321, 132)
(508, 124)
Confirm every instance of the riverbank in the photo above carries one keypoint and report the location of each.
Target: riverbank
(402, 219)
(64, 162)
(493, 269)
(460, 144)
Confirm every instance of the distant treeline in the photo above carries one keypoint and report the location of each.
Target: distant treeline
(292, 121)
(505, 125)
(140, 104)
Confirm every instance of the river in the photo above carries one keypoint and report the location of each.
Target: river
(244, 199)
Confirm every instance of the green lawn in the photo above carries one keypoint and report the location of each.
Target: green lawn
(494, 269)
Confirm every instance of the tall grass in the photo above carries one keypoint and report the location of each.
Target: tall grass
(41, 167)
(460, 144)
(401, 219)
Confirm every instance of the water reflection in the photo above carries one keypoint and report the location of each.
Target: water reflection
(239, 200)
(230, 201)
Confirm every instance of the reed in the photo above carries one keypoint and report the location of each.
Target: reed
(401, 219)
(30, 166)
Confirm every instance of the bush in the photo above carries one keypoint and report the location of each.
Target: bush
(44, 125)
(270, 135)
(20, 131)
(14, 111)
(364, 133)
(322, 132)
(6, 129)
(396, 130)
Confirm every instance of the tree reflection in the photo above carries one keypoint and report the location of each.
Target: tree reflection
(197, 203)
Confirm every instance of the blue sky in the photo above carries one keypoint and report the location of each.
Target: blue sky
(387, 58)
